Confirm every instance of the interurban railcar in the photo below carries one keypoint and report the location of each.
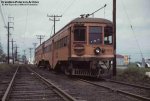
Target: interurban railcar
(83, 47)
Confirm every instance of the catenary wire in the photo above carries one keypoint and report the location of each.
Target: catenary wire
(133, 32)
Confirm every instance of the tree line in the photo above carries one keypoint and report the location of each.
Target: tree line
(2, 54)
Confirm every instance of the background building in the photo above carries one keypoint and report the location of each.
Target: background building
(120, 60)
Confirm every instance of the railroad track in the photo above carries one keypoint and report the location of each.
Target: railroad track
(26, 85)
(116, 88)
(128, 84)
(5, 77)
(82, 90)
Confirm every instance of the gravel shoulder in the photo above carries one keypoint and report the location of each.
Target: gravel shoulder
(81, 90)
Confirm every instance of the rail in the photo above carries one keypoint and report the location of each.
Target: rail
(5, 96)
(123, 83)
(62, 93)
(120, 91)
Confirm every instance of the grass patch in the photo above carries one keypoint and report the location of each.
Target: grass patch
(133, 74)
(5, 67)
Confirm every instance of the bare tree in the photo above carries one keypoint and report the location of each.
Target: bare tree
(2, 54)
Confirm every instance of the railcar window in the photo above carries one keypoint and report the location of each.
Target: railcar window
(95, 35)
(61, 43)
(65, 41)
(79, 34)
(108, 35)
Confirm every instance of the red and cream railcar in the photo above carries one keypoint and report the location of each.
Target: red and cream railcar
(83, 47)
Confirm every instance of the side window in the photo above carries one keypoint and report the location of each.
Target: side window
(65, 41)
(95, 35)
(108, 35)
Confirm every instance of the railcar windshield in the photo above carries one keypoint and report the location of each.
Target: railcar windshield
(108, 35)
(79, 33)
(95, 35)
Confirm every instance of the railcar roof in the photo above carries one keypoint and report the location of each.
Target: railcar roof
(91, 20)
(84, 20)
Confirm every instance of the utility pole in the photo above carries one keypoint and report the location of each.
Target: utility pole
(12, 49)
(8, 34)
(30, 49)
(129, 58)
(34, 44)
(40, 37)
(16, 53)
(54, 19)
(24, 52)
(24, 56)
(114, 33)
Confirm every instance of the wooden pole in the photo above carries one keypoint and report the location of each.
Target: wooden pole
(114, 32)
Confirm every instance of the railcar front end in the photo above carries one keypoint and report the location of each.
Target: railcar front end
(91, 48)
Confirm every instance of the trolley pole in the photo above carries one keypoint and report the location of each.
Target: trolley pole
(114, 32)
(54, 19)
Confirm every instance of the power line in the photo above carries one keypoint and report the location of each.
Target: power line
(3, 17)
(132, 29)
(52, 30)
(73, 1)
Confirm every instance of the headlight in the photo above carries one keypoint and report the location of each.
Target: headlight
(97, 51)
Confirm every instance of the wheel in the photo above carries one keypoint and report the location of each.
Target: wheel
(49, 67)
(67, 71)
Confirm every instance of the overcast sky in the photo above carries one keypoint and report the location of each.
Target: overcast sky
(30, 21)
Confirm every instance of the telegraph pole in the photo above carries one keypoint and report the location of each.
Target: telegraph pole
(30, 53)
(12, 49)
(54, 19)
(129, 58)
(8, 44)
(16, 53)
(24, 56)
(34, 44)
(40, 37)
(24, 52)
(114, 32)
(8, 34)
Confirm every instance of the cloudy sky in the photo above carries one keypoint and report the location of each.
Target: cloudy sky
(30, 21)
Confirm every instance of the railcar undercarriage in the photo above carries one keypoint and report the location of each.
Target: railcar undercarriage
(95, 68)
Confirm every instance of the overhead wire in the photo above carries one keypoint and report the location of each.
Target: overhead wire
(3, 17)
(73, 1)
(26, 21)
(133, 32)
(66, 9)
(52, 30)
